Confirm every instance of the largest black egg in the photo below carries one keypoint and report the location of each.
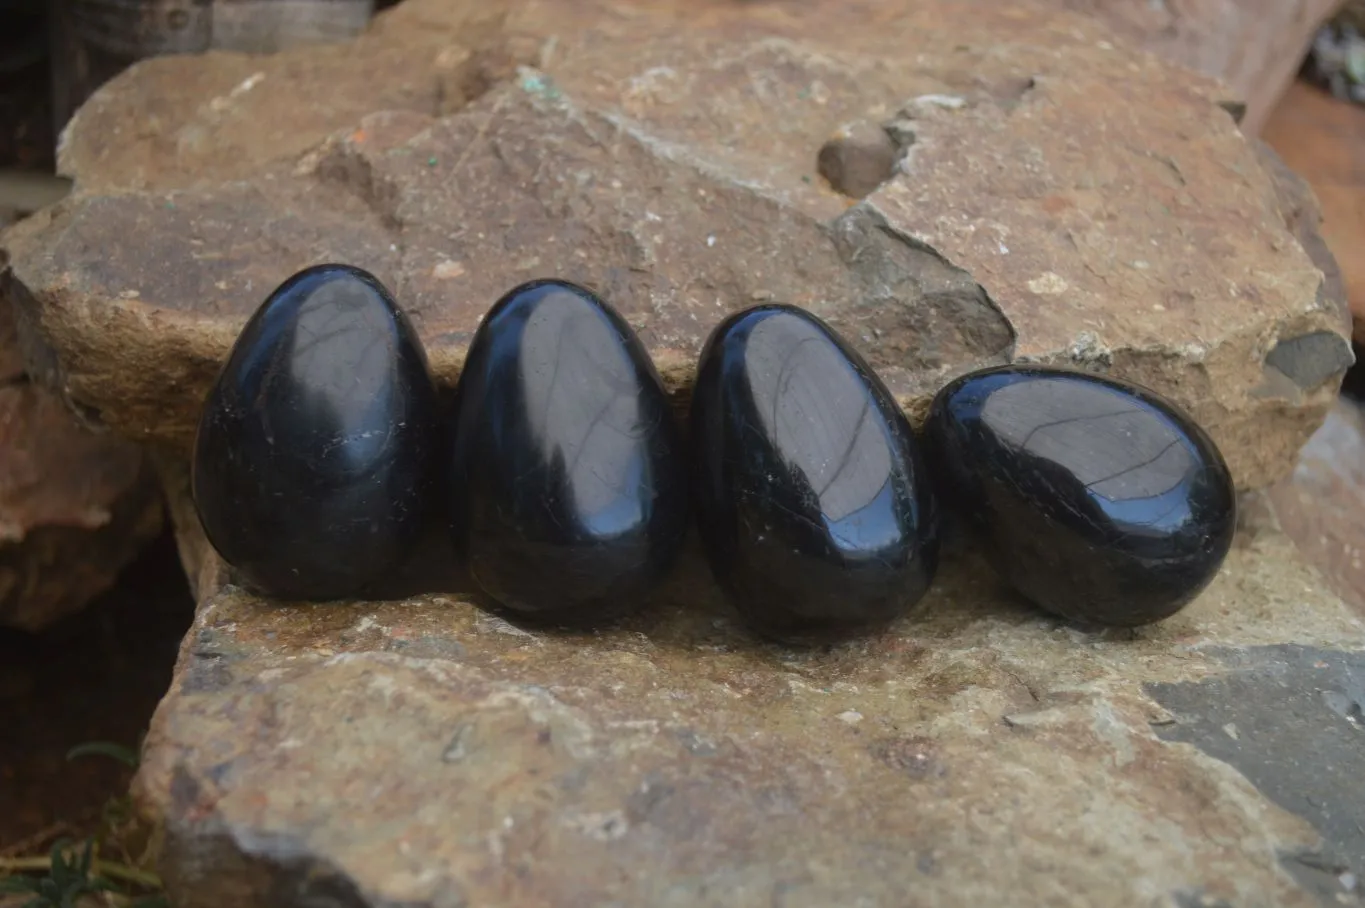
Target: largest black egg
(313, 464)
(1095, 498)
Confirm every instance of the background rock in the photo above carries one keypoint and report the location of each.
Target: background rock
(1255, 46)
(90, 41)
(1060, 200)
(1324, 140)
(75, 506)
(1321, 505)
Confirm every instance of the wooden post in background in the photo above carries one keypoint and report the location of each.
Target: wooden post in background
(266, 26)
(93, 40)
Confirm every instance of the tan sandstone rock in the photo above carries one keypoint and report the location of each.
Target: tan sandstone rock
(1057, 199)
(1255, 46)
(1054, 197)
(422, 753)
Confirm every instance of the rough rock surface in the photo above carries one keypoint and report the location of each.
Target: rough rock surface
(1255, 46)
(1054, 198)
(1323, 139)
(420, 752)
(75, 506)
(1321, 505)
(1050, 197)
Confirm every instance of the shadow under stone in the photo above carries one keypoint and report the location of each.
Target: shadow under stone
(95, 676)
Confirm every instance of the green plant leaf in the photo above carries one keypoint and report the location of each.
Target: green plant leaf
(13, 885)
(118, 752)
(60, 876)
(151, 901)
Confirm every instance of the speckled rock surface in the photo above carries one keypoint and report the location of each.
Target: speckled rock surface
(1255, 46)
(420, 752)
(1055, 198)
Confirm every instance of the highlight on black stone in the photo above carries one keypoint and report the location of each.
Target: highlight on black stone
(313, 465)
(568, 485)
(1094, 498)
(812, 501)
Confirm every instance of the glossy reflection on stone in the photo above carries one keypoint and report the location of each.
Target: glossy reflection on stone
(1096, 499)
(313, 464)
(811, 497)
(569, 494)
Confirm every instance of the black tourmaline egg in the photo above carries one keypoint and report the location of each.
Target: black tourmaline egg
(569, 485)
(314, 461)
(811, 497)
(1096, 499)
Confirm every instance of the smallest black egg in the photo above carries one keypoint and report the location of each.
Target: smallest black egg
(313, 464)
(1094, 498)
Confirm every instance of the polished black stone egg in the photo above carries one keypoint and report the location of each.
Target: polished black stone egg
(314, 461)
(1096, 499)
(811, 497)
(568, 478)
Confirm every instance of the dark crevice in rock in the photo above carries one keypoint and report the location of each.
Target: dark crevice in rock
(41, 364)
(910, 291)
(250, 867)
(1235, 109)
(1197, 898)
(87, 415)
(205, 674)
(480, 73)
(1320, 873)
(1353, 385)
(40, 359)
(348, 170)
(301, 879)
(1013, 93)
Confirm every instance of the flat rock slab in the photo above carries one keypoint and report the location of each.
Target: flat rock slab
(951, 186)
(425, 753)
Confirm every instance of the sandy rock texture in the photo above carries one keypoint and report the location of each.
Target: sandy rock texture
(421, 752)
(1254, 46)
(1324, 140)
(952, 184)
(1047, 195)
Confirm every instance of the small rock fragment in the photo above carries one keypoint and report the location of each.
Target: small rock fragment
(858, 158)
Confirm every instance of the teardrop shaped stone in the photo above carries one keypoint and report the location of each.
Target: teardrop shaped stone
(569, 485)
(811, 496)
(313, 464)
(1096, 499)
